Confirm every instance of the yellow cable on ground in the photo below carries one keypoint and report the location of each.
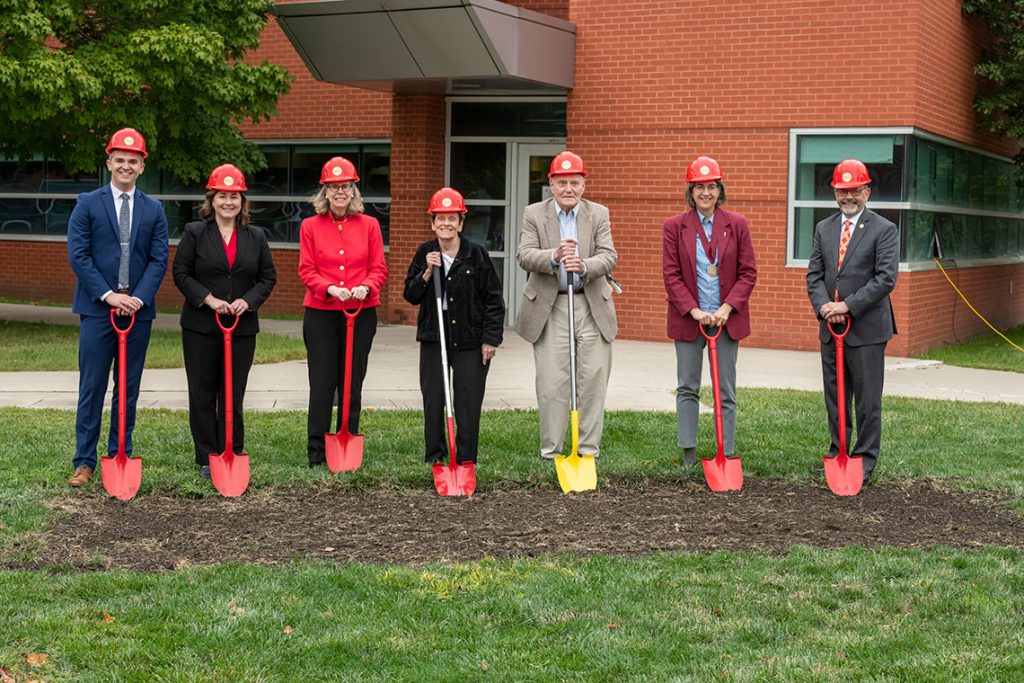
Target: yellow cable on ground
(973, 308)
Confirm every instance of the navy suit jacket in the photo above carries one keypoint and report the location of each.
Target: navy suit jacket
(864, 282)
(94, 251)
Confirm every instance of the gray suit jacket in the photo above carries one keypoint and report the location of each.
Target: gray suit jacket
(539, 237)
(864, 282)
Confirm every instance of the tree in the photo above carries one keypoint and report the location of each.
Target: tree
(1000, 99)
(74, 71)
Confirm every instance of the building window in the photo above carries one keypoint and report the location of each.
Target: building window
(926, 185)
(36, 198)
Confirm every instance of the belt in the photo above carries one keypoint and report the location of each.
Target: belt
(578, 291)
(122, 291)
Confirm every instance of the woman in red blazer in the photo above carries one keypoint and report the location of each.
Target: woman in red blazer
(709, 269)
(341, 262)
(222, 265)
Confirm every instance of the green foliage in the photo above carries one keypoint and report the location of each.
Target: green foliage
(74, 71)
(1000, 100)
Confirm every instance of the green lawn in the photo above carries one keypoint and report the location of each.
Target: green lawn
(987, 352)
(39, 346)
(809, 615)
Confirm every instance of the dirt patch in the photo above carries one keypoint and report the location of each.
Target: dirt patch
(416, 526)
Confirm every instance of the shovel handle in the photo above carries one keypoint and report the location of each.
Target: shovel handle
(122, 379)
(839, 335)
(711, 337)
(222, 326)
(121, 330)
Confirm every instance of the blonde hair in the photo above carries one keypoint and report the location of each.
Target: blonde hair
(322, 206)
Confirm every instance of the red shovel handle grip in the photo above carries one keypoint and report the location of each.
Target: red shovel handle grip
(222, 326)
(839, 335)
(117, 328)
(710, 337)
(355, 311)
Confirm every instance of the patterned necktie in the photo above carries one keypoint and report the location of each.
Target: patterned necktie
(844, 241)
(124, 221)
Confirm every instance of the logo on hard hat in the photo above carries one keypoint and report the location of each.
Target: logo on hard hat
(566, 164)
(704, 170)
(228, 180)
(129, 140)
(446, 202)
(847, 177)
(336, 170)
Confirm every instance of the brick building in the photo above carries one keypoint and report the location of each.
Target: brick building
(480, 94)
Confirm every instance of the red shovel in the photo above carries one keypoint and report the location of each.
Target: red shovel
(452, 479)
(229, 470)
(344, 450)
(845, 475)
(721, 473)
(122, 475)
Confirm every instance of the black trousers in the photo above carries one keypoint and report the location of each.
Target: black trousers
(326, 337)
(864, 375)
(468, 383)
(204, 368)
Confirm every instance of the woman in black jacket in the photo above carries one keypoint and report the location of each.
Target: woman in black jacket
(222, 266)
(474, 325)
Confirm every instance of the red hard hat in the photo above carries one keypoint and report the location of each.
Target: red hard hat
(703, 169)
(567, 163)
(338, 170)
(128, 140)
(849, 174)
(227, 178)
(447, 200)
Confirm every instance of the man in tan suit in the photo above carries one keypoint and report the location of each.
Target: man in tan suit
(565, 239)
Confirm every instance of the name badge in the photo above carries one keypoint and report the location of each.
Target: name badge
(713, 271)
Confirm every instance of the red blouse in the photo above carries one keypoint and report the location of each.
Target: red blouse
(347, 253)
(231, 249)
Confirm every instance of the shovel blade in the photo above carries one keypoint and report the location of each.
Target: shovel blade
(122, 476)
(845, 475)
(723, 474)
(576, 472)
(230, 473)
(455, 480)
(344, 451)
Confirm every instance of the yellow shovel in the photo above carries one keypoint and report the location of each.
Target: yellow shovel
(575, 472)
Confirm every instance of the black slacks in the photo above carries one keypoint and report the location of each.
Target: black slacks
(468, 383)
(326, 336)
(204, 369)
(864, 375)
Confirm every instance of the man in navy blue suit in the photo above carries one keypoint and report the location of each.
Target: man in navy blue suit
(117, 246)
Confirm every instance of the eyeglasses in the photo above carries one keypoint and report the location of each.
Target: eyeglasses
(335, 188)
(710, 187)
(855, 192)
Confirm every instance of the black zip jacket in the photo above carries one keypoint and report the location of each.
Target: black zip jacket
(476, 309)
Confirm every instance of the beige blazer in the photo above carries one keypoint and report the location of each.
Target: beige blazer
(539, 238)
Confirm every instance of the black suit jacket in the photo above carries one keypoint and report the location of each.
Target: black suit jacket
(201, 267)
(864, 282)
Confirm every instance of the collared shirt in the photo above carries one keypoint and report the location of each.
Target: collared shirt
(709, 293)
(117, 203)
(855, 220)
(567, 228)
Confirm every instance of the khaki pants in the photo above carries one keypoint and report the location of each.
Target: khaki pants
(593, 365)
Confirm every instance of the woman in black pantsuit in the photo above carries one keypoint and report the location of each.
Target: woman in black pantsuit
(474, 324)
(222, 265)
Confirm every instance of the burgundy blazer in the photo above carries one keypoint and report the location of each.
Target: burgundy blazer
(737, 271)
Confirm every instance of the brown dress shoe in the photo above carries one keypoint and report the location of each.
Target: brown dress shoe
(80, 477)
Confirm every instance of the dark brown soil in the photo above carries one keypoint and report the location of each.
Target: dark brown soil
(401, 526)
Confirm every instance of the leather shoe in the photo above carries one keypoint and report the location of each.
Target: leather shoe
(204, 471)
(80, 477)
(817, 470)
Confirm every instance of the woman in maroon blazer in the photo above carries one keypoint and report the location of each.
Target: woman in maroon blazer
(709, 269)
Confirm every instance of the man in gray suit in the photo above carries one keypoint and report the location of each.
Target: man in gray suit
(568, 239)
(853, 266)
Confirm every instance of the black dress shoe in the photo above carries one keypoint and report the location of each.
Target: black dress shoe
(690, 457)
(817, 470)
(204, 471)
(316, 463)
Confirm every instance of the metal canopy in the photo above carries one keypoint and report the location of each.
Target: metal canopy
(431, 45)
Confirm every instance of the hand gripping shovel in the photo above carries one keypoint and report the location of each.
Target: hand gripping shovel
(452, 479)
(575, 472)
(721, 473)
(229, 470)
(344, 450)
(845, 475)
(122, 475)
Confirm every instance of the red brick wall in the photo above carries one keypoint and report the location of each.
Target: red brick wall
(732, 87)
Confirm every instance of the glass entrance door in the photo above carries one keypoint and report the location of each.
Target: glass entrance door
(529, 185)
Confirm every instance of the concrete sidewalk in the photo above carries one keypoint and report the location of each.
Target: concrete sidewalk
(642, 378)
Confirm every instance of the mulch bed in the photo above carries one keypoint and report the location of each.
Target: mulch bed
(161, 532)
